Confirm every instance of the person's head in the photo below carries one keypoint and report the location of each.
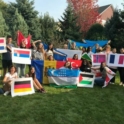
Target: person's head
(97, 45)
(83, 49)
(40, 46)
(9, 39)
(103, 64)
(108, 48)
(75, 57)
(32, 70)
(114, 50)
(100, 49)
(65, 46)
(121, 50)
(67, 64)
(22, 45)
(50, 58)
(73, 44)
(89, 49)
(50, 46)
(12, 69)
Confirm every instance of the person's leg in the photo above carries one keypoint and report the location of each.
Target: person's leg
(35, 86)
(23, 70)
(18, 69)
(99, 81)
(113, 79)
(120, 75)
(4, 65)
(38, 83)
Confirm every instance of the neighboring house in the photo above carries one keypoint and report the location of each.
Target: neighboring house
(106, 12)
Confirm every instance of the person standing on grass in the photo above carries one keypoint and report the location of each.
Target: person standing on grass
(7, 57)
(12, 74)
(121, 70)
(21, 67)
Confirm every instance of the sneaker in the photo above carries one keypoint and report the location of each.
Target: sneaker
(121, 84)
(6, 93)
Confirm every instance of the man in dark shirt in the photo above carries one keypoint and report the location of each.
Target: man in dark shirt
(7, 57)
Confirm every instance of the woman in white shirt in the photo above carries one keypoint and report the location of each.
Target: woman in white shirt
(12, 74)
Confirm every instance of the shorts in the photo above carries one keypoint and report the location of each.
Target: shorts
(6, 63)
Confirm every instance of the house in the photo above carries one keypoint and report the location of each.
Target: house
(105, 12)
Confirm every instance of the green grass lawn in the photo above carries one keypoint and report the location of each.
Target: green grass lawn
(66, 106)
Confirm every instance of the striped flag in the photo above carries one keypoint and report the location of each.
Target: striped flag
(22, 86)
(86, 80)
(22, 56)
(3, 45)
(108, 77)
(63, 77)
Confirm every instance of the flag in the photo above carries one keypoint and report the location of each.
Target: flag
(59, 57)
(21, 38)
(63, 77)
(60, 64)
(108, 77)
(86, 56)
(39, 66)
(97, 73)
(3, 45)
(22, 86)
(70, 53)
(75, 64)
(98, 58)
(86, 80)
(21, 56)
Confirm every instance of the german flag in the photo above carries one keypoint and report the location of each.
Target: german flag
(22, 86)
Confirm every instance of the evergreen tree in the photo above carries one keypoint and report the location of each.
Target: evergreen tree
(68, 25)
(3, 26)
(26, 9)
(17, 22)
(48, 28)
(114, 29)
(96, 32)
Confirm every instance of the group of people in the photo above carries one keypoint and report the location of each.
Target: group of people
(39, 53)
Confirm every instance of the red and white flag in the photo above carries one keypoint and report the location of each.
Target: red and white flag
(21, 38)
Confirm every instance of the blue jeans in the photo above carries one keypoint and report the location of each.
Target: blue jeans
(99, 81)
(21, 69)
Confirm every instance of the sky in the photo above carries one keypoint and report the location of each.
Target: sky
(55, 8)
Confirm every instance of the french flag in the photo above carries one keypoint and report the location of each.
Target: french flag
(22, 53)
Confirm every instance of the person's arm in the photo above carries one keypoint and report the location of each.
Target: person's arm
(95, 68)
(5, 80)
(34, 43)
(58, 53)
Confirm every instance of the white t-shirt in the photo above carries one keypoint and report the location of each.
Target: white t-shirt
(11, 77)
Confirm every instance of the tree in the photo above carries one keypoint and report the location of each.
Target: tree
(17, 22)
(3, 26)
(48, 27)
(68, 25)
(96, 32)
(114, 29)
(86, 11)
(26, 9)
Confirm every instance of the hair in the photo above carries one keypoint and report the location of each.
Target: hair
(108, 46)
(49, 57)
(74, 56)
(11, 68)
(88, 49)
(49, 48)
(22, 46)
(69, 66)
(9, 36)
(31, 74)
(101, 68)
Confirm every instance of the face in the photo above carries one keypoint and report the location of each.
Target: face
(23, 44)
(103, 64)
(114, 50)
(9, 40)
(12, 70)
(65, 46)
(51, 58)
(40, 46)
(32, 70)
(121, 50)
(50, 46)
(108, 48)
(76, 57)
(67, 64)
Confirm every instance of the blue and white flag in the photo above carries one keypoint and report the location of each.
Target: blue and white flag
(63, 77)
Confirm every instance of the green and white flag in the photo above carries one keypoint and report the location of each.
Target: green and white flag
(86, 56)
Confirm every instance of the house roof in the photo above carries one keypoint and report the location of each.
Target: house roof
(103, 8)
